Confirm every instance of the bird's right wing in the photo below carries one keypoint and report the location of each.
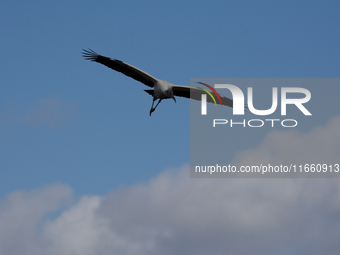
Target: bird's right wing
(122, 67)
(195, 93)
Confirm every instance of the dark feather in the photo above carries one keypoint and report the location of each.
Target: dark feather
(195, 93)
(120, 66)
(149, 91)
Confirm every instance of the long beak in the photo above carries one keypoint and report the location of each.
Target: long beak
(173, 97)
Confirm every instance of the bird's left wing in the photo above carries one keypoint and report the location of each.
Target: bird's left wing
(195, 93)
(122, 67)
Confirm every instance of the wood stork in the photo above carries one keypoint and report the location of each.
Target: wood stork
(161, 89)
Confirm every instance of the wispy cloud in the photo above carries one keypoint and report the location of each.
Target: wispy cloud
(173, 214)
(46, 111)
(50, 112)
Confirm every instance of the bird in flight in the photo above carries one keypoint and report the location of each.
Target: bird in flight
(161, 89)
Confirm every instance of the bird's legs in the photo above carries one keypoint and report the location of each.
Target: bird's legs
(153, 101)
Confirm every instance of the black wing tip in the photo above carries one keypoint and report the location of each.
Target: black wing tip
(90, 54)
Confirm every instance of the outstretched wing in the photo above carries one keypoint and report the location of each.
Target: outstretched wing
(122, 67)
(195, 93)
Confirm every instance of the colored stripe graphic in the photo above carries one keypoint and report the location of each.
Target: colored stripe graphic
(208, 92)
(212, 89)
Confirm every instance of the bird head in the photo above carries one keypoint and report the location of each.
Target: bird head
(170, 94)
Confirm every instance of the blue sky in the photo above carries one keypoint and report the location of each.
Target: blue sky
(105, 121)
(67, 121)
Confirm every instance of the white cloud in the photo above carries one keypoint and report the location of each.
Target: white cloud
(320, 145)
(77, 230)
(173, 214)
(21, 216)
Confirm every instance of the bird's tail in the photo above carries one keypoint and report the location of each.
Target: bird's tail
(149, 91)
